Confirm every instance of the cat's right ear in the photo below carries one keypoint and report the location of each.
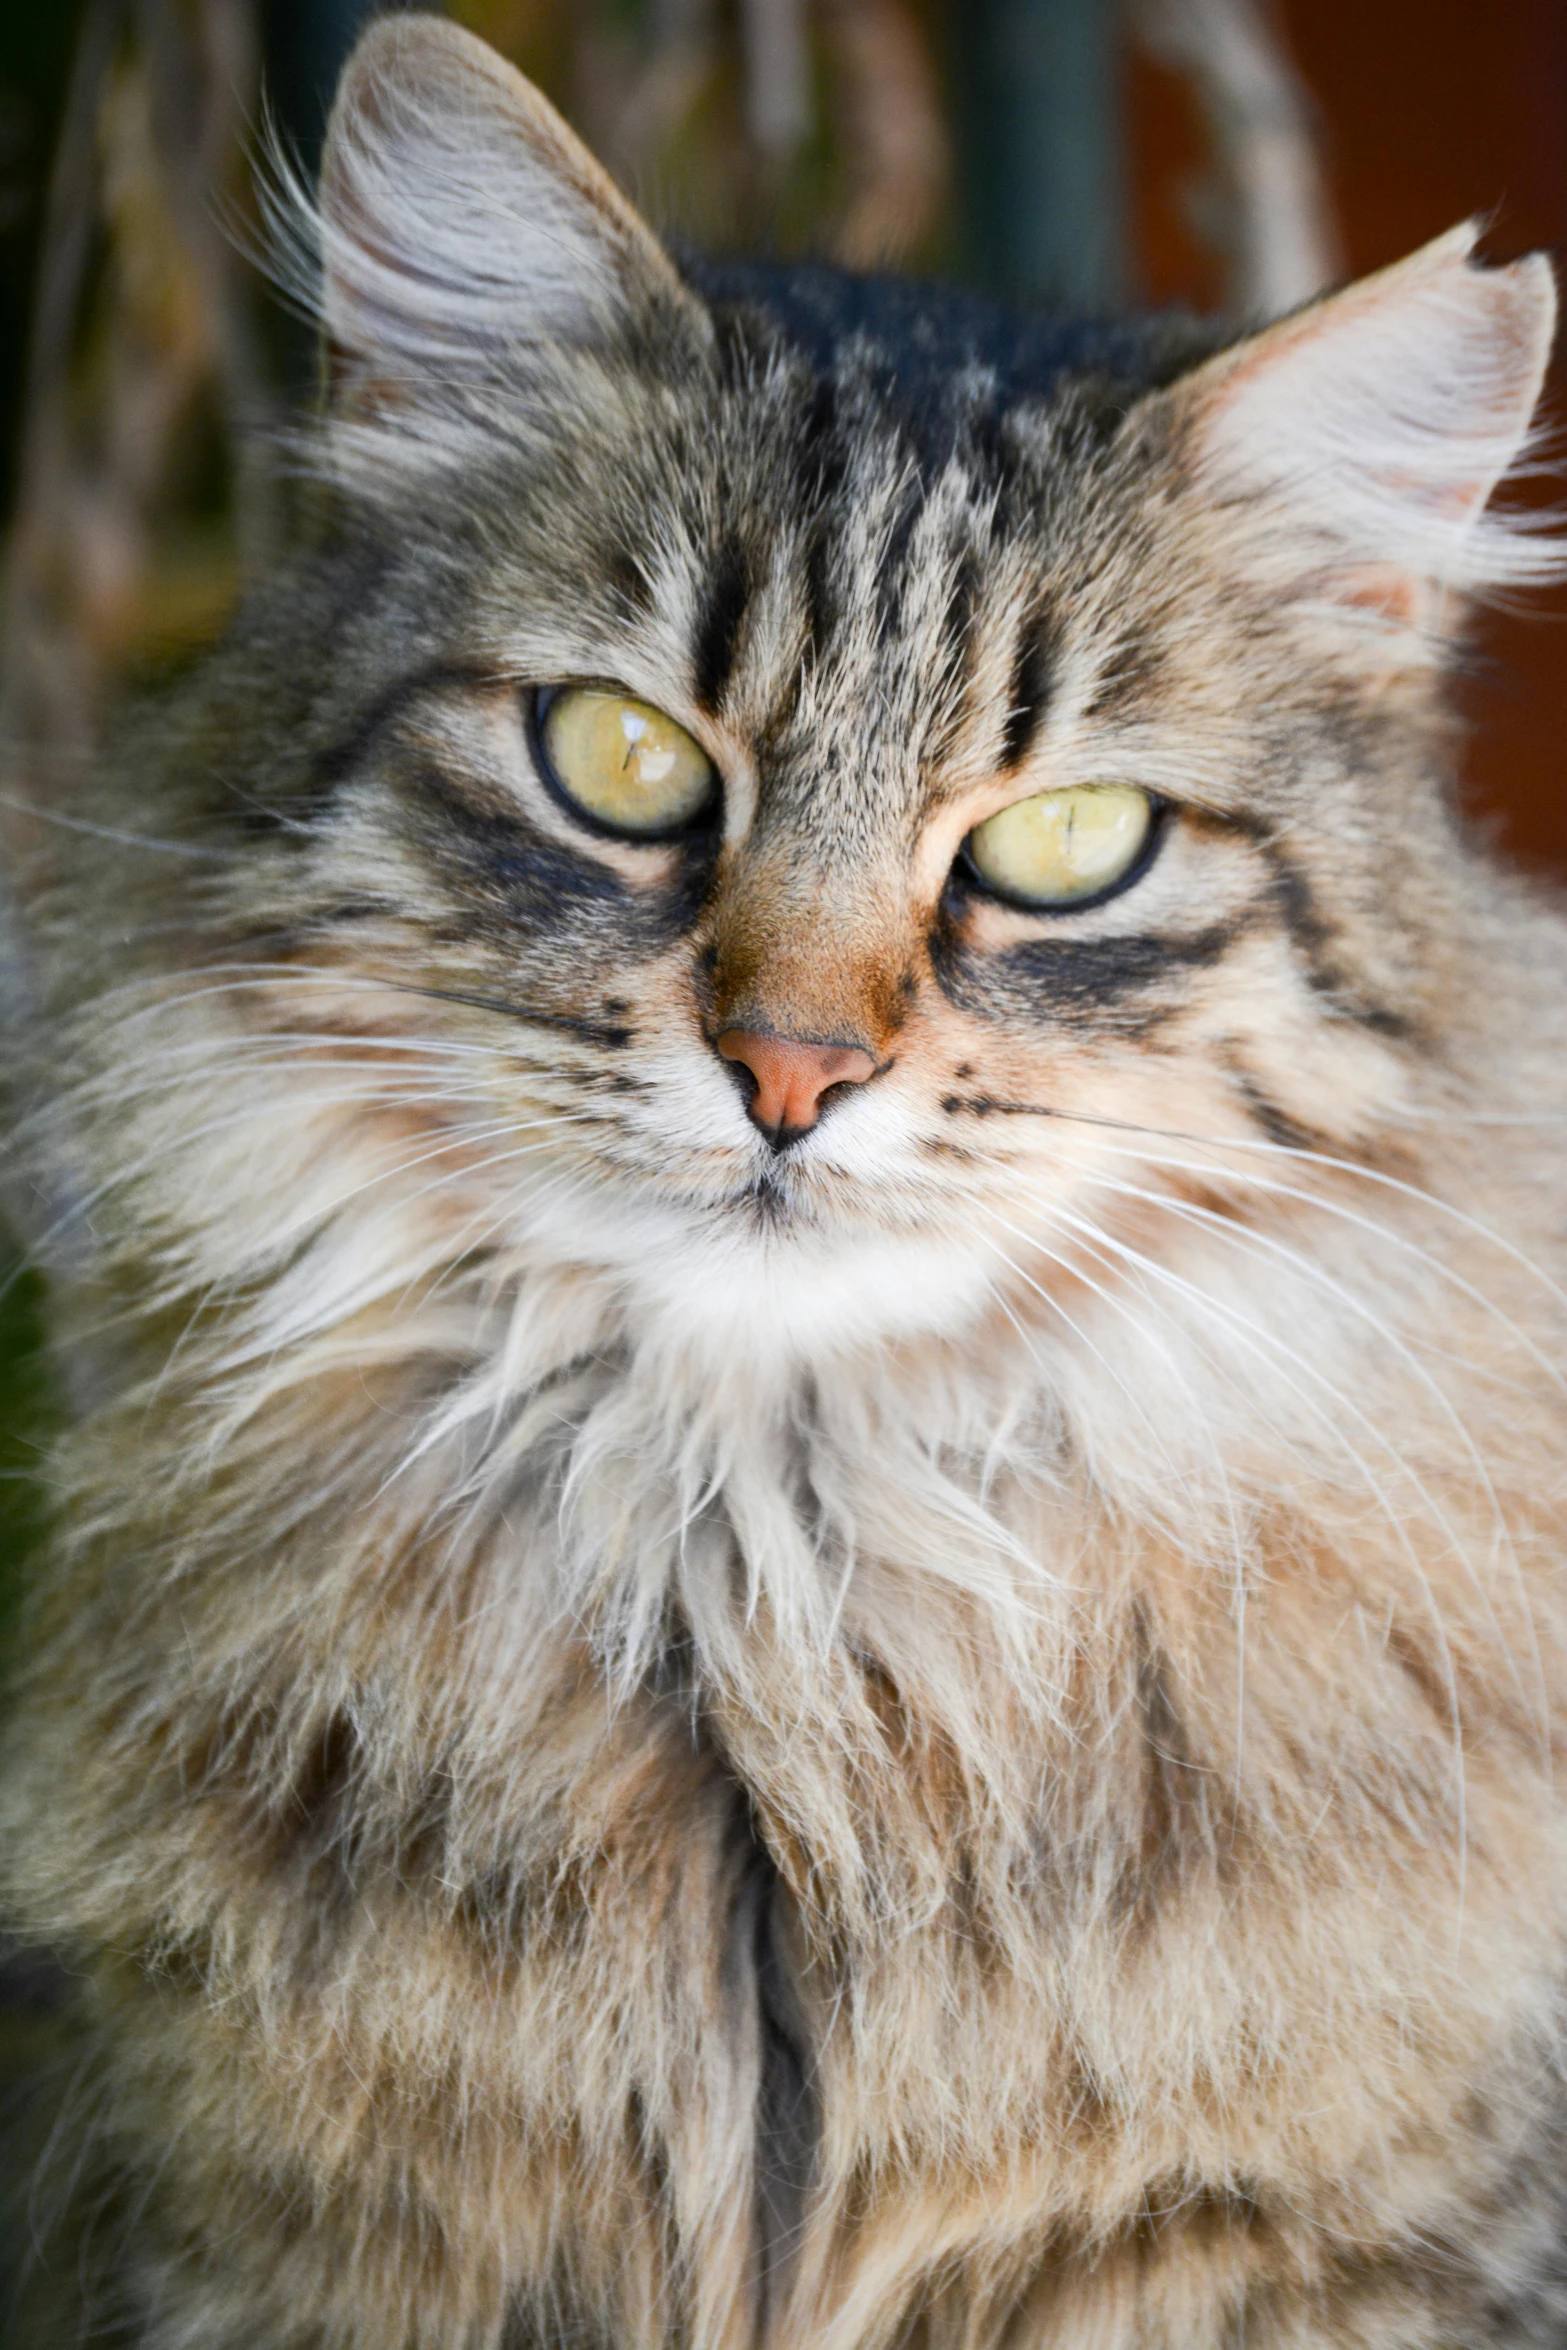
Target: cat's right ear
(462, 225)
(1350, 451)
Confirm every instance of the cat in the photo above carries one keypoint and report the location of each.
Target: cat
(809, 1582)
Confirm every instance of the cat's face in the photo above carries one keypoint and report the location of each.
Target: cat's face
(836, 815)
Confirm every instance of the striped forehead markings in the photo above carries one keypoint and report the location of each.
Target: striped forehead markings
(726, 593)
(1033, 681)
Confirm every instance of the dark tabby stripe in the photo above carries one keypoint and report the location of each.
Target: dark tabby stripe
(331, 766)
(1052, 978)
(725, 596)
(1313, 940)
(1033, 678)
(1274, 1123)
(1128, 673)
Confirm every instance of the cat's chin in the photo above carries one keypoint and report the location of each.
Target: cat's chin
(752, 1278)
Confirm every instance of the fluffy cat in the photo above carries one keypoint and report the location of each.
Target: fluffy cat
(810, 1582)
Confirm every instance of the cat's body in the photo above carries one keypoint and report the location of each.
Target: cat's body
(935, 1731)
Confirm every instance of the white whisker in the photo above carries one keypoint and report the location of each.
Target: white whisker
(1256, 1338)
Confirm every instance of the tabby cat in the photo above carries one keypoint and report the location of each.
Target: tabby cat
(810, 1583)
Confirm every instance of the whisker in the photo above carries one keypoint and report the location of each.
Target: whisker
(1257, 1339)
(1246, 1236)
(1372, 1226)
(123, 839)
(324, 1212)
(250, 978)
(1116, 1305)
(1351, 1167)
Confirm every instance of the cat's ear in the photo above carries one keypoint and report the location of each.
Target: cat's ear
(461, 224)
(1355, 445)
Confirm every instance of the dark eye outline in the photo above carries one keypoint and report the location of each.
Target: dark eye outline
(968, 874)
(536, 705)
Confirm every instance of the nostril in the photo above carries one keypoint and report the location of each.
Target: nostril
(747, 1083)
(789, 1075)
(745, 1079)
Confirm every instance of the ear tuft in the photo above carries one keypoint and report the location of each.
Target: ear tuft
(1370, 430)
(460, 221)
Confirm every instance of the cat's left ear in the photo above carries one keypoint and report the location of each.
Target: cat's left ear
(463, 226)
(1351, 449)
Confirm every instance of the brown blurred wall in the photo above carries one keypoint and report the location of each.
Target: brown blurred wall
(1430, 110)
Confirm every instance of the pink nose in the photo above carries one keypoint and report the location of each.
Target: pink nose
(792, 1073)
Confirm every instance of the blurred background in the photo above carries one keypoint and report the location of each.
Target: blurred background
(1227, 155)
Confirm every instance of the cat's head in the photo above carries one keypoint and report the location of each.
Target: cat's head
(831, 776)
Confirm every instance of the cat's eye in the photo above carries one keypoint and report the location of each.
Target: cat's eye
(1062, 848)
(622, 763)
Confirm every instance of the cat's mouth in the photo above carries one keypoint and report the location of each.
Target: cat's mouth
(766, 1199)
(773, 1201)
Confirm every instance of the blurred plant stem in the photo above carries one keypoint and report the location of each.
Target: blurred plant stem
(765, 125)
(304, 44)
(1265, 204)
(142, 482)
(1043, 169)
(778, 94)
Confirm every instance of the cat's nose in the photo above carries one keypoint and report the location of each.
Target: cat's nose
(791, 1074)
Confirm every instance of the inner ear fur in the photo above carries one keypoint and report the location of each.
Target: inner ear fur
(462, 224)
(1353, 447)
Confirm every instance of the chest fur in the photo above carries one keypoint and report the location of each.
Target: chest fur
(945, 1948)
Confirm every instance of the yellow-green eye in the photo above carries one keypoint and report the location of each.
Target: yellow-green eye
(1061, 847)
(623, 763)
